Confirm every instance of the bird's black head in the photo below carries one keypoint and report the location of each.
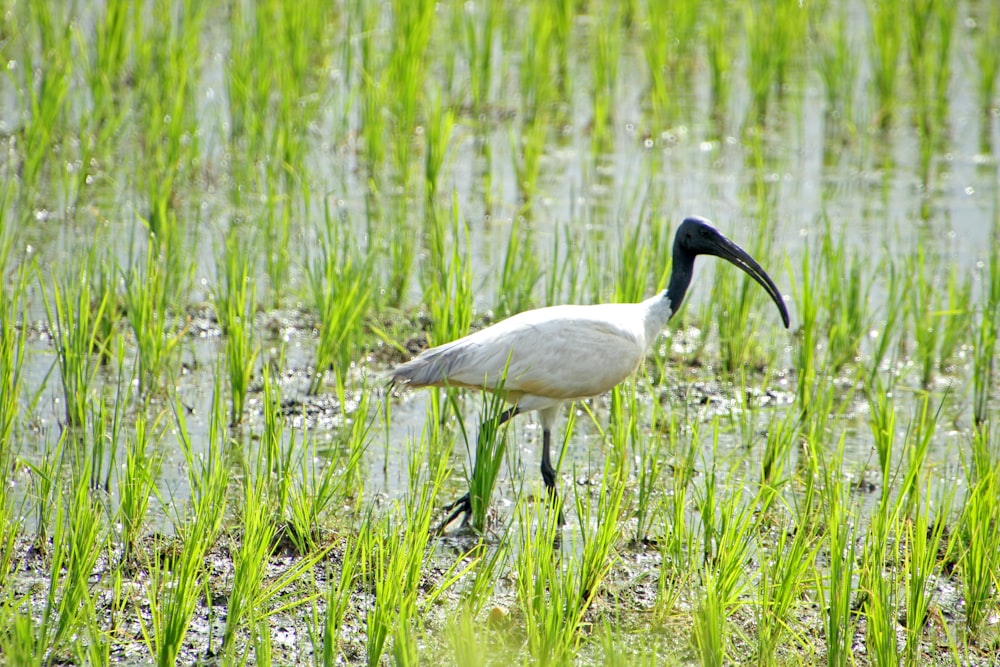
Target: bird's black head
(695, 236)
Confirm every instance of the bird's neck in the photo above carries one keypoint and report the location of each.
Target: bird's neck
(680, 277)
(660, 308)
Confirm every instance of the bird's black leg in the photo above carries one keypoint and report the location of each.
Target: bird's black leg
(549, 473)
(463, 506)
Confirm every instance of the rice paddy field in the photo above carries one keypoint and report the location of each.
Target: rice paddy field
(222, 223)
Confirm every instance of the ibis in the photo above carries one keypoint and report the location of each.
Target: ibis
(544, 358)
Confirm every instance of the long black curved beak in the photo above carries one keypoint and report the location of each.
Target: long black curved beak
(729, 251)
(696, 236)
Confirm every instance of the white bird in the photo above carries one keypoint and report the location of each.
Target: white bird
(566, 353)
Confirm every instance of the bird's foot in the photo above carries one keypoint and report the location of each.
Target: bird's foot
(461, 506)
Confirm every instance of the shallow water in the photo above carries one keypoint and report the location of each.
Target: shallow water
(808, 165)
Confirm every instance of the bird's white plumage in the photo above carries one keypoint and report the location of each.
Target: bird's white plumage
(556, 354)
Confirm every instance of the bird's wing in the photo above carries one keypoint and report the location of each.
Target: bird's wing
(561, 352)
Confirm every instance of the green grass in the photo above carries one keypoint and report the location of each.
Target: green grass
(520, 272)
(338, 596)
(166, 66)
(941, 315)
(148, 302)
(836, 585)
(136, 482)
(438, 136)
(77, 542)
(601, 522)
(728, 522)
(547, 589)
(884, 53)
(604, 76)
(317, 477)
(395, 561)
(886, 333)
(774, 35)
(651, 456)
(882, 408)
(448, 290)
(807, 305)
(405, 73)
(255, 597)
(985, 342)
(341, 292)
(48, 69)
(988, 60)
(74, 317)
(12, 349)
(373, 88)
(720, 55)
(836, 62)
(270, 54)
(220, 226)
(845, 299)
(924, 537)
(977, 544)
(487, 455)
(679, 527)
(236, 303)
(527, 148)
(176, 580)
(783, 581)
